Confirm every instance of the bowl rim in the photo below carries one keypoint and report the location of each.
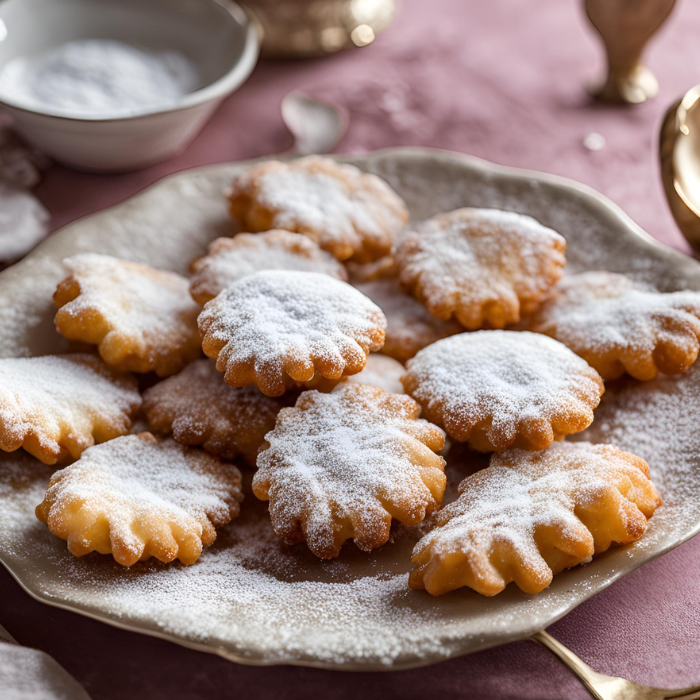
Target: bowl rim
(235, 76)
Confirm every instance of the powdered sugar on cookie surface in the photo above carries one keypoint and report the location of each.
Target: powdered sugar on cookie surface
(141, 318)
(485, 267)
(229, 259)
(410, 327)
(57, 406)
(347, 212)
(341, 465)
(533, 508)
(382, 371)
(618, 324)
(274, 326)
(136, 497)
(498, 388)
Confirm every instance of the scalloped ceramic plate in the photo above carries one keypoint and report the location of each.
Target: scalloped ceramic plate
(253, 600)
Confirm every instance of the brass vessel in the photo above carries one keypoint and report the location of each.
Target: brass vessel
(304, 28)
(679, 151)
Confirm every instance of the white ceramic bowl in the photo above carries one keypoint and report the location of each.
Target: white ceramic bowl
(216, 35)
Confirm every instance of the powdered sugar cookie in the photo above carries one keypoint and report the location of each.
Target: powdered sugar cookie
(137, 497)
(485, 267)
(498, 389)
(619, 326)
(410, 327)
(57, 406)
(369, 272)
(141, 319)
(349, 213)
(229, 259)
(199, 408)
(530, 515)
(382, 371)
(278, 328)
(342, 465)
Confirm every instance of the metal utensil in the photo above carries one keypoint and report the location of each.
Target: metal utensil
(604, 687)
(317, 126)
(679, 152)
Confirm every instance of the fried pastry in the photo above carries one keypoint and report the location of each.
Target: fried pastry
(382, 371)
(137, 497)
(342, 465)
(56, 406)
(349, 213)
(140, 318)
(530, 515)
(485, 267)
(199, 408)
(229, 259)
(278, 328)
(410, 327)
(620, 326)
(499, 389)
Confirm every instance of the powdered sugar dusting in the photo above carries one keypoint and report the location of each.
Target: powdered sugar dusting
(148, 317)
(527, 503)
(63, 402)
(469, 261)
(381, 371)
(254, 597)
(136, 487)
(410, 327)
(229, 259)
(610, 317)
(340, 465)
(505, 381)
(259, 600)
(274, 320)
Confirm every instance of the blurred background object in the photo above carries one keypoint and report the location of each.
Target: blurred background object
(303, 28)
(29, 674)
(315, 125)
(679, 150)
(23, 219)
(626, 27)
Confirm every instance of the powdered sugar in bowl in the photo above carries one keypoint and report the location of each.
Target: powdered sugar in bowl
(120, 84)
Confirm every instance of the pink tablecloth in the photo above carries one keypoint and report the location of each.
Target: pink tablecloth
(502, 80)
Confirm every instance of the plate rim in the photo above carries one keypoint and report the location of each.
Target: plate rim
(602, 204)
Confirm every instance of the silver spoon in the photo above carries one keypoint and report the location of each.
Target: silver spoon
(317, 127)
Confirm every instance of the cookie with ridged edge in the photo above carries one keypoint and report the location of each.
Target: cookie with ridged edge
(137, 497)
(141, 319)
(484, 267)
(277, 329)
(349, 213)
(199, 408)
(342, 465)
(618, 325)
(229, 259)
(530, 515)
(500, 389)
(56, 406)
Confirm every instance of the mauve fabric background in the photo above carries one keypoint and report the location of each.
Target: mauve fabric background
(503, 80)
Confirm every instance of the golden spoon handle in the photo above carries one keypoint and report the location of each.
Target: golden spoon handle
(582, 670)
